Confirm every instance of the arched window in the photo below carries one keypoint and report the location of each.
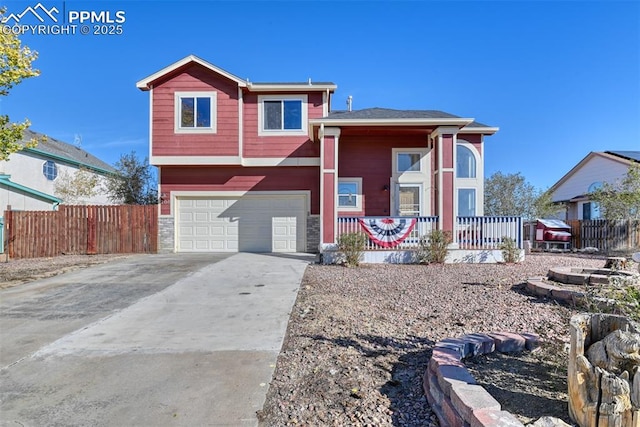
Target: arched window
(466, 162)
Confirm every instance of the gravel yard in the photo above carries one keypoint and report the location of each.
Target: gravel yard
(359, 339)
(17, 271)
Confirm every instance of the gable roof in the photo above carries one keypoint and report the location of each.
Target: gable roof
(58, 150)
(629, 155)
(386, 116)
(147, 82)
(606, 154)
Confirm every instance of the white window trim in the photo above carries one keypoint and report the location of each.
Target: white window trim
(214, 112)
(396, 164)
(282, 132)
(358, 206)
(55, 168)
(421, 194)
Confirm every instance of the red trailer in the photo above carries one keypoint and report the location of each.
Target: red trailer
(552, 233)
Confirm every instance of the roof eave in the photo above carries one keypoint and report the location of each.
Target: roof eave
(582, 162)
(68, 160)
(147, 83)
(484, 130)
(4, 180)
(457, 121)
(257, 87)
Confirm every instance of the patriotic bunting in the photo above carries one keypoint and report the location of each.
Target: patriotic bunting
(387, 232)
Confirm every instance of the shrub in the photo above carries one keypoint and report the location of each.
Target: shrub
(620, 296)
(434, 247)
(352, 245)
(510, 251)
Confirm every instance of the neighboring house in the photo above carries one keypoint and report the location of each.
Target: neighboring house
(28, 179)
(267, 167)
(595, 169)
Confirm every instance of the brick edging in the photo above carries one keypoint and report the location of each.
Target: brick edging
(452, 391)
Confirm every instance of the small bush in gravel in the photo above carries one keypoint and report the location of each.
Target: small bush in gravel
(620, 296)
(434, 247)
(351, 246)
(510, 251)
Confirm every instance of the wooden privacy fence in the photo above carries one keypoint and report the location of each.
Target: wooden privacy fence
(81, 230)
(606, 235)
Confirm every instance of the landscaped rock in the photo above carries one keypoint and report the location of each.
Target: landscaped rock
(616, 263)
(549, 422)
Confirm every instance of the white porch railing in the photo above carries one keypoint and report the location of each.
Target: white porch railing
(487, 232)
(477, 232)
(424, 226)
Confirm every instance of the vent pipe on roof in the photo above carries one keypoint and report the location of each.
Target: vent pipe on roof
(309, 81)
(349, 102)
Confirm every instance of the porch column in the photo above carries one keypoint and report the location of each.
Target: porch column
(447, 203)
(328, 186)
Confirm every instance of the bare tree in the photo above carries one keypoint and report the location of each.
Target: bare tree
(76, 187)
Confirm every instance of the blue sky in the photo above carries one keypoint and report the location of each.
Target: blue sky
(560, 79)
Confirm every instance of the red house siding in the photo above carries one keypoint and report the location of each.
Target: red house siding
(165, 142)
(473, 139)
(184, 178)
(371, 158)
(277, 146)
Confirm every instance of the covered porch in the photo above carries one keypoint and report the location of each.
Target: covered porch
(413, 171)
(475, 239)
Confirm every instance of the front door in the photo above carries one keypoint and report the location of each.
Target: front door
(408, 201)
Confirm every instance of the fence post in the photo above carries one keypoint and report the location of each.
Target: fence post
(8, 228)
(91, 230)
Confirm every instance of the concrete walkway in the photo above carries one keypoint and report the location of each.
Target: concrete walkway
(201, 351)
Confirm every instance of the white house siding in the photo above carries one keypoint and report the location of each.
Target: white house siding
(26, 169)
(21, 201)
(597, 169)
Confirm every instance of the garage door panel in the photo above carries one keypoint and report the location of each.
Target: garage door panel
(251, 223)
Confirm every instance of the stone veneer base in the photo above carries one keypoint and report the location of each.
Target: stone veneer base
(452, 391)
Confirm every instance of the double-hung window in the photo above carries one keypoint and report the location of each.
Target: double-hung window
(282, 115)
(195, 112)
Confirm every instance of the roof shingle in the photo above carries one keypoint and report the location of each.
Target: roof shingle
(67, 151)
(377, 113)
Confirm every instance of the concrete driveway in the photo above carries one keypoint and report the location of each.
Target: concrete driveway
(151, 340)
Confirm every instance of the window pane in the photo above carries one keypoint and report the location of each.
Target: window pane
(203, 111)
(409, 201)
(465, 163)
(408, 162)
(187, 112)
(293, 114)
(586, 211)
(50, 170)
(272, 115)
(348, 194)
(466, 202)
